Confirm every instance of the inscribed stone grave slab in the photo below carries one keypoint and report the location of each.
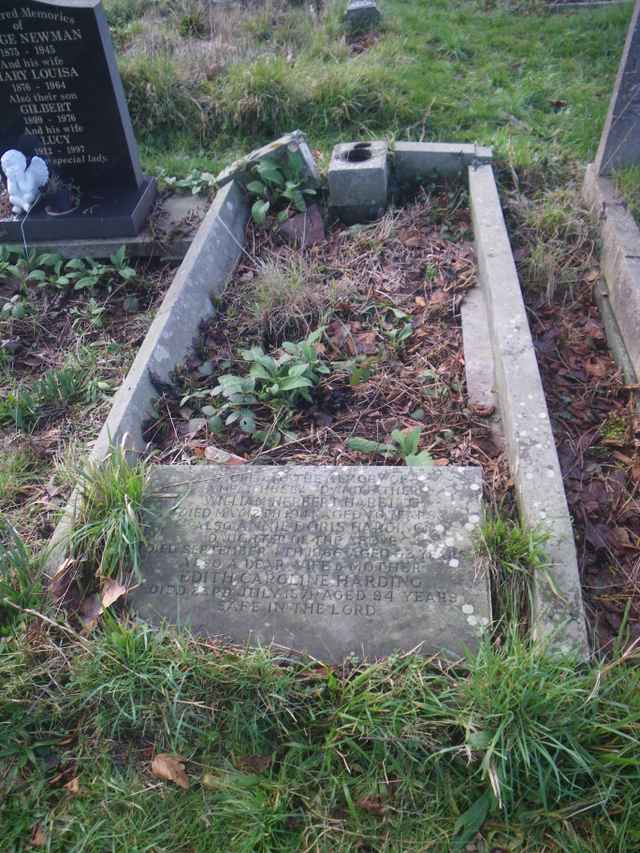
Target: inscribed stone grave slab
(61, 98)
(326, 560)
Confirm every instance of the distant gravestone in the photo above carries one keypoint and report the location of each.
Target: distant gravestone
(61, 98)
(331, 561)
(362, 16)
(620, 141)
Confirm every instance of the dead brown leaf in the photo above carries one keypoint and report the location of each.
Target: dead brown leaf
(38, 838)
(111, 592)
(209, 780)
(73, 786)
(619, 538)
(366, 342)
(597, 367)
(482, 411)
(411, 239)
(373, 805)
(221, 457)
(171, 769)
(89, 612)
(62, 579)
(253, 763)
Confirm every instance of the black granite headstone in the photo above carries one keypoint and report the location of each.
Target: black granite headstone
(61, 98)
(620, 141)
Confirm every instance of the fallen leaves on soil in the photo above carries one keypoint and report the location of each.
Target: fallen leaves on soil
(393, 338)
(595, 426)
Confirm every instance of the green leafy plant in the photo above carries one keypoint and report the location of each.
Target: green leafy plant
(360, 368)
(278, 189)
(404, 445)
(53, 269)
(239, 392)
(25, 267)
(196, 182)
(398, 333)
(86, 273)
(91, 312)
(15, 308)
(280, 383)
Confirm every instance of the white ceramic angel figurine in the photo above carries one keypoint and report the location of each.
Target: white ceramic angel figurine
(23, 184)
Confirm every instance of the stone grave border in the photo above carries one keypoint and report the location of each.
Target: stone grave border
(497, 304)
(619, 301)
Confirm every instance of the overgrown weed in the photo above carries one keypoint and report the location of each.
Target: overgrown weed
(291, 297)
(108, 530)
(627, 182)
(516, 559)
(558, 237)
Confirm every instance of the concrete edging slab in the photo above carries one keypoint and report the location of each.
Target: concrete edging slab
(558, 611)
(619, 257)
(205, 270)
(415, 160)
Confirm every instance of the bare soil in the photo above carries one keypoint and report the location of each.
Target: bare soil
(59, 326)
(417, 262)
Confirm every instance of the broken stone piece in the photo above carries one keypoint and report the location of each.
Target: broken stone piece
(290, 142)
(304, 229)
(358, 181)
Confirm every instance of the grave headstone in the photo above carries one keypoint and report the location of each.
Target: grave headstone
(620, 141)
(61, 98)
(362, 16)
(331, 561)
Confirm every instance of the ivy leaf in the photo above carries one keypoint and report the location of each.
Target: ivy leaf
(364, 445)
(259, 211)
(87, 281)
(257, 187)
(270, 173)
(419, 459)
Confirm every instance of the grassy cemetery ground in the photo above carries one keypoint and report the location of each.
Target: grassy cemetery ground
(116, 738)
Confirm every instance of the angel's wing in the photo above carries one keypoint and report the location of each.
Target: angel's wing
(38, 171)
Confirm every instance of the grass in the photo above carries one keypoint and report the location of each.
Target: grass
(516, 559)
(533, 752)
(26, 408)
(290, 296)
(627, 182)
(535, 86)
(108, 530)
(513, 749)
(18, 471)
(20, 579)
(559, 234)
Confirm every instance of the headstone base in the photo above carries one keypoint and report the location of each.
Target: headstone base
(118, 214)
